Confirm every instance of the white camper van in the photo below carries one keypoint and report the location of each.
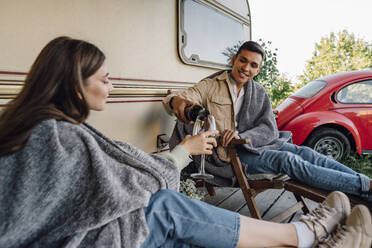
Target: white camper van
(151, 46)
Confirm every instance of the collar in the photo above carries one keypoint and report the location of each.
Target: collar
(225, 77)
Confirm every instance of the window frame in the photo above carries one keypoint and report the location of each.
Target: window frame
(338, 99)
(181, 44)
(306, 85)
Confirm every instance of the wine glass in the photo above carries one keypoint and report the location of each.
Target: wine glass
(198, 128)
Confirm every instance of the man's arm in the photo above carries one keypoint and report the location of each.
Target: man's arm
(176, 103)
(178, 106)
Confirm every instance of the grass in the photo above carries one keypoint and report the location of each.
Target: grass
(360, 163)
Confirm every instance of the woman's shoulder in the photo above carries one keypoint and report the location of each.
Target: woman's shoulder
(50, 139)
(53, 125)
(57, 131)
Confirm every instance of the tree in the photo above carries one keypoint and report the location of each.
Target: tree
(336, 53)
(280, 90)
(277, 85)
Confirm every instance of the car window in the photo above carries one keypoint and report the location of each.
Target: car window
(311, 89)
(360, 92)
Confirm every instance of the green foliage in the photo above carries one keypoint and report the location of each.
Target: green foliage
(269, 72)
(336, 53)
(277, 86)
(231, 51)
(280, 90)
(361, 164)
(187, 187)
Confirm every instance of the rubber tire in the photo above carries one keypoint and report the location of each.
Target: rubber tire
(326, 135)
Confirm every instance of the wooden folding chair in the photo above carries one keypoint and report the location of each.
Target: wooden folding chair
(250, 188)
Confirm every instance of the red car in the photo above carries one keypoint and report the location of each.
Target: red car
(332, 115)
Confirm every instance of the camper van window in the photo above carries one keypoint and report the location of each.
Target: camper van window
(208, 28)
(241, 7)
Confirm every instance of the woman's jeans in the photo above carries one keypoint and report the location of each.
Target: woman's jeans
(174, 220)
(305, 165)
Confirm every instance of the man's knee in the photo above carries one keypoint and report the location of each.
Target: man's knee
(286, 159)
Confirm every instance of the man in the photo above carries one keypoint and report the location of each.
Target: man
(242, 109)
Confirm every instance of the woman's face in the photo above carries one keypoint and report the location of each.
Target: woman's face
(97, 88)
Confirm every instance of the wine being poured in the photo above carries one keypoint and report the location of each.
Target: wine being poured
(199, 119)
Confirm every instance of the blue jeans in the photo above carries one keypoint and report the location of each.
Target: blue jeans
(305, 165)
(174, 220)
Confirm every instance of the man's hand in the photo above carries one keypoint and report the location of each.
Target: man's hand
(179, 104)
(227, 136)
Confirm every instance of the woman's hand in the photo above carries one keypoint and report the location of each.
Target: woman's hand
(202, 143)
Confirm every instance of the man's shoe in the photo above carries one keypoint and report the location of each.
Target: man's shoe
(324, 219)
(356, 233)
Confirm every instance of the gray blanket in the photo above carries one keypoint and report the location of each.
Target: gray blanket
(70, 186)
(255, 122)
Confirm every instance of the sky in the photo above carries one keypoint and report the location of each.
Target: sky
(294, 26)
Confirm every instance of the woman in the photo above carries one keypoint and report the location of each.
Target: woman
(64, 184)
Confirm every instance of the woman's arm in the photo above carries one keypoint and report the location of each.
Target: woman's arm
(191, 145)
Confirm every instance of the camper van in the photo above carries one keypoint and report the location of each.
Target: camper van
(152, 47)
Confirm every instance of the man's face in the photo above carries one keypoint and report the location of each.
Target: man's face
(245, 66)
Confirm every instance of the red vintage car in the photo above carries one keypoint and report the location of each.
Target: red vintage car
(332, 115)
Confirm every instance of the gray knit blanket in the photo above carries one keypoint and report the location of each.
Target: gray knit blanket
(70, 186)
(256, 121)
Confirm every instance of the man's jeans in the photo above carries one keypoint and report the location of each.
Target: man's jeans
(307, 166)
(174, 220)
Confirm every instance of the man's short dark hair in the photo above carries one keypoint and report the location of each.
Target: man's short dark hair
(253, 47)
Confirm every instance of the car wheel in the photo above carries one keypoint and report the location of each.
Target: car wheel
(330, 142)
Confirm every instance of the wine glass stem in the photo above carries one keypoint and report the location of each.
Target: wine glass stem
(202, 161)
(197, 128)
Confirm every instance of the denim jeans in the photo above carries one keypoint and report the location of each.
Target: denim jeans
(174, 220)
(305, 165)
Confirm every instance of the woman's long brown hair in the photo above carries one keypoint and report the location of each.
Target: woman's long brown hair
(52, 89)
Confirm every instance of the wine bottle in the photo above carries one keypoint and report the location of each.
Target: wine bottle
(194, 112)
